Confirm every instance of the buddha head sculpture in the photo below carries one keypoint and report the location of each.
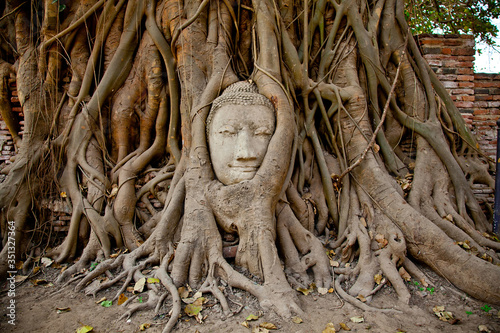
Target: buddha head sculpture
(240, 125)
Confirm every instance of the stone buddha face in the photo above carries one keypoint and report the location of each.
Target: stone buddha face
(238, 136)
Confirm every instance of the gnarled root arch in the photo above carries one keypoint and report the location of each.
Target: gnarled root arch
(351, 90)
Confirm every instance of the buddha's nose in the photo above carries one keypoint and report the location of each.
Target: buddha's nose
(244, 147)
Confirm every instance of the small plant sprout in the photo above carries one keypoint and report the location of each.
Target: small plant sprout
(431, 290)
(486, 308)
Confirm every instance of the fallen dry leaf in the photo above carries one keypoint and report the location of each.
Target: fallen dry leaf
(357, 319)
(245, 324)
(344, 327)
(329, 328)
(483, 328)
(322, 291)
(39, 282)
(268, 326)
(361, 298)
(297, 320)
(444, 315)
(192, 310)
(334, 263)
(20, 278)
(404, 274)
(101, 300)
(377, 278)
(183, 292)
(251, 317)
(61, 310)
(46, 261)
(144, 326)
(122, 299)
(139, 285)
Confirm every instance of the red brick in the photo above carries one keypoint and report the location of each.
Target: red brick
(465, 98)
(463, 91)
(465, 77)
(435, 63)
(450, 84)
(466, 51)
(465, 71)
(446, 50)
(464, 104)
(430, 41)
(484, 97)
(447, 77)
(486, 84)
(466, 84)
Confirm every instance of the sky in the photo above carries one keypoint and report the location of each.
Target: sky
(487, 57)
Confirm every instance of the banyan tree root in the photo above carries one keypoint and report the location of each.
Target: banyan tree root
(363, 160)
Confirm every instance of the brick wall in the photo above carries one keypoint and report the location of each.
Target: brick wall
(7, 149)
(476, 95)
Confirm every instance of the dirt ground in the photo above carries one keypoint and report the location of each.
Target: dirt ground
(36, 311)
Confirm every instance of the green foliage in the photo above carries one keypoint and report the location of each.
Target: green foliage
(451, 16)
(486, 308)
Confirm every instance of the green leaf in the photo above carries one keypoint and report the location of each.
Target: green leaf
(106, 304)
(486, 308)
(139, 299)
(469, 313)
(62, 7)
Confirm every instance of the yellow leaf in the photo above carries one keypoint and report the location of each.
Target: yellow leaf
(297, 320)
(330, 290)
(64, 195)
(200, 301)
(183, 292)
(268, 326)
(334, 263)
(122, 299)
(84, 329)
(192, 310)
(145, 326)
(251, 317)
(329, 328)
(377, 278)
(404, 274)
(153, 280)
(38, 282)
(61, 310)
(139, 285)
(357, 319)
(344, 327)
(245, 324)
(304, 291)
(361, 298)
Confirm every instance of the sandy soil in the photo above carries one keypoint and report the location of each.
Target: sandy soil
(36, 311)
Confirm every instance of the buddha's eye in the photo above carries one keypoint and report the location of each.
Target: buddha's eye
(227, 130)
(263, 131)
